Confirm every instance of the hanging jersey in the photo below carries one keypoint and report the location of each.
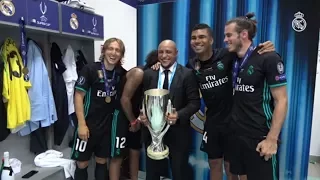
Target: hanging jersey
(14, 86)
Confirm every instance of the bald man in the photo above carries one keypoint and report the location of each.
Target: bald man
(184, 95)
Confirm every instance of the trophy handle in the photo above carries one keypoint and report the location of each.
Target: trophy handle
(150, 130)
(164, 131)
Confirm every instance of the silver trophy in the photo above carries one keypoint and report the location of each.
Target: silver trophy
(155, 106)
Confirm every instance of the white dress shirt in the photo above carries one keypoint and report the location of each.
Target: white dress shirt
(70, 76)
(162, 75)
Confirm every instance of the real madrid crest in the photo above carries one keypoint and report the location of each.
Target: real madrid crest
(220, 65)
(74, 23)
(7, 8)
(299, 24)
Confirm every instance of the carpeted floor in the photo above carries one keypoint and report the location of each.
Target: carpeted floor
(314, 172)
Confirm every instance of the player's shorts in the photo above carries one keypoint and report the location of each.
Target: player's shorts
(119, 130)
(97, 144)
(246, 160)
(215, 142)
(134, 140)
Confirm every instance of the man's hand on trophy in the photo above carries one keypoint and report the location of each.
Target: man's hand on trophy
(172, 117)
(143, 118)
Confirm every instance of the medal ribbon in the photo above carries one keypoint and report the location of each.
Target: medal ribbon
(170, 80)
(23, 49)
(23, 42)
(237, 67)
(106, 83)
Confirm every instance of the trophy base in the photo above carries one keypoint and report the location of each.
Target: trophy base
(158, 155)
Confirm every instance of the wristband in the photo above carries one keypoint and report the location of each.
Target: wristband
(134, 122)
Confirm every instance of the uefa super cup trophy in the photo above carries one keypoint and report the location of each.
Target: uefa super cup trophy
(155, 106)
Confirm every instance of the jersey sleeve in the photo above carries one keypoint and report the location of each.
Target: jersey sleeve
(84, 80)
(6, 81)
(275, 71)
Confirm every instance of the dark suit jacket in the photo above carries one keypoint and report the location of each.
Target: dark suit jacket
(184, 95)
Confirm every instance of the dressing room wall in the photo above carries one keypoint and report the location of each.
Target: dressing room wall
(315, 133)
(120, 20)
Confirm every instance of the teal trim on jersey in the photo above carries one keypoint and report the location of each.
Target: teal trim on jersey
(266, 103)
(268, 113)
(80, 89)
(87, 101)
(274, 167)
(278, 85)
(86, 105)
(74, 142)
(114, 132)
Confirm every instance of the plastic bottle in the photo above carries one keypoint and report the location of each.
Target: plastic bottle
(7, 172)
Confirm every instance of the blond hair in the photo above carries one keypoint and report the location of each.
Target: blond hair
(121, 44)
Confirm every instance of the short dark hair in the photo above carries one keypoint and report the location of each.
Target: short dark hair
(152, 59)
(203, 26)
(245, 23)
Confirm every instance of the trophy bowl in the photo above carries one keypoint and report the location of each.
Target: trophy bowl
(156, 104)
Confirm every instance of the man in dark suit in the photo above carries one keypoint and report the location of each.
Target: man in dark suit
(184, 95)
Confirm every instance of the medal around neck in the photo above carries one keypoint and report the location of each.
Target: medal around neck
(108, 99)
(155, 106)
(108, 84)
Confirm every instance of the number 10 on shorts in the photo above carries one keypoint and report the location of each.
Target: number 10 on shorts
(80, 145)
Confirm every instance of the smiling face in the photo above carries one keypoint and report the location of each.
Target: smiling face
(113, 53)
(167, 53)
(201, 41)
(232, 38)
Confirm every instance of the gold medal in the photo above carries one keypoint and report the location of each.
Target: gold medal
(25, 70)
(108, 99)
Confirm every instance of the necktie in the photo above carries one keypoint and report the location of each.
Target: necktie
(166, 79)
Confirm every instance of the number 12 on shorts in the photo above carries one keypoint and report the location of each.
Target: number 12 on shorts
(205, 137)
(80, 145)
(120, 142)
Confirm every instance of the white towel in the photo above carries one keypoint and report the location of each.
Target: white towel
(81, 4)
(15, 165)
(52, 158)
